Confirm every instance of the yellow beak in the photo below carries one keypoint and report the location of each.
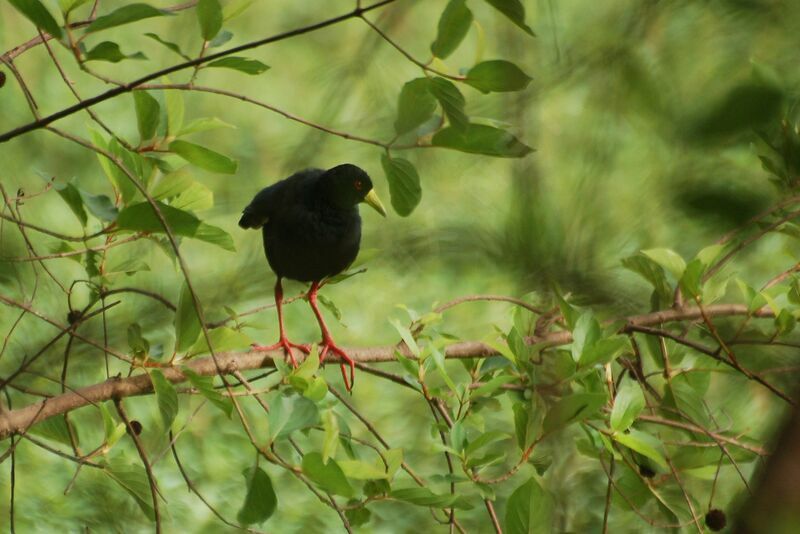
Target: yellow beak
(373, 200)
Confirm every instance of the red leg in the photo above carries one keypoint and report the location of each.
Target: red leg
(283, 342)
(327, 341)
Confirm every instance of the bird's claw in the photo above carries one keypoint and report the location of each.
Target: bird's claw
(287, 347)
(329, 345)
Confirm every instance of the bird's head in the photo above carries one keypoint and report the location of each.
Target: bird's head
(347, 185)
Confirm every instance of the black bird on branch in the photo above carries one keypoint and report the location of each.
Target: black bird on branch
(312, 231)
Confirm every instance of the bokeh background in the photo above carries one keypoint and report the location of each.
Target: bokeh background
(619, 112)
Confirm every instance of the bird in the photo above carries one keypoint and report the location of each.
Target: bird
(311, 231)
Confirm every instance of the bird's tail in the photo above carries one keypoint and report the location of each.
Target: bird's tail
(251, 219)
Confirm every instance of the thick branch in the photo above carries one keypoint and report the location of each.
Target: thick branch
(18, 420)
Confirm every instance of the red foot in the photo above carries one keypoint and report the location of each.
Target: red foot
(287, 347)
(329, 345)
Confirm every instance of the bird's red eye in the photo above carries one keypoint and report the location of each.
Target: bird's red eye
(358, 185)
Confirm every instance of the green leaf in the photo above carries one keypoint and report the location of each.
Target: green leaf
(529, 510)
(125, 15)
(196, 197)
(133, 479)
(669, 260)
(652, 272)
(514, 10)
(261, 501)
(204, 124)
(453, 27)
(481, 139)
(485, 439)
(53, 428)
(34, 11)
(113, 430)
(109, 51)
(586, 332)
(492, 385)
(100, 206)
(497, 76)
(331, 441)
(172, 184)
(425, 497)
(407, 337)
(137, 343)
(170, 45)
(141, 217)
(187, 324)
(175, 111)
(327, 476)
(643, 443)
(604, 350)
(118, 179)
(205, 385)
(404, 187)
(358, 470)
(148, 112)
(221, 38)
(166, 397)
(691, 280)
(209, 15)
(288, 416)
(415, 105)
(628, 404)
(242, 64)
(576, 407)
(72, 196)
(204, 157)
(452, 102)
(745, 106)
(222, 339)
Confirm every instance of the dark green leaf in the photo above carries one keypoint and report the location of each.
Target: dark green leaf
(575, 407)
(109, 51)
(415, 105)
(497, 76)
(453, 27)
(125, 15)
(35, 12)
(209, 14)
(100, 206)
(481, 139)
(452, 102)
(187, 324)
(358, 516)
(529, 510)
(172, 46)
(148, 112)
(72, 196)
(205, 385)
(287, 416)
(404, 187)
(137, 343)
(744, 107)
(242, 64)
(327, 476)
(261, 501)
(204, 157)
(514, 10)
(133, 479)
(425, 497)
(141, 217)
(166, 397)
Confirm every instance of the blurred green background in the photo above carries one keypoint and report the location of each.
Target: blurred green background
(620, 113)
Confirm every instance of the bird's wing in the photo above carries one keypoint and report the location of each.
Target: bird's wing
(272, 199)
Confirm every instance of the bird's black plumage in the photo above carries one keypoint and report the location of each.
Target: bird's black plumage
(310, 221)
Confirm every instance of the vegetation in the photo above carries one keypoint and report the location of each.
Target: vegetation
(596, 336)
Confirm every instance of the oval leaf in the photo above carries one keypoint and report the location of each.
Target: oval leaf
(628, 404)
(209, 15)
(452, 102)
(514, 10)
(261, 501)
(125, 15)
(482, 139)
(166, 397)
(415, 105)
(204, 157)
(529, 510)
(148, 112)
(187, 325)
(242, 64)
(329, 477)
(497, 76)
(404, 187)
(453, 27)
(34, 11)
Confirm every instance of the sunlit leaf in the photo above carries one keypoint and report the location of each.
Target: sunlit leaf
(628, 404)
(643, 443)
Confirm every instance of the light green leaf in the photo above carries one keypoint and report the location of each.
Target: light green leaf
(643, 443)
(405, 334)
(529, 510)
(204, 124)
(453, 27)
(481, 139)
(604, 350)
(425, 497)
(628, 404)
(113, 430)
(404, 187)
(166, 397)
(34, 11)
(205, 385)
(53, 428)
(187, 324)
(329, 477)
(415, 105)
(175, 111)
(140, 217)
(148, 112)
(586, 332)
(223, 339)
(668, 259)
(172, 184)
(196, 197)
(497, 76)
(261, 501)
(204, 157)
(125, 15)
(331, 440)
(209, 15)
(358, 470)
(242, 64)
